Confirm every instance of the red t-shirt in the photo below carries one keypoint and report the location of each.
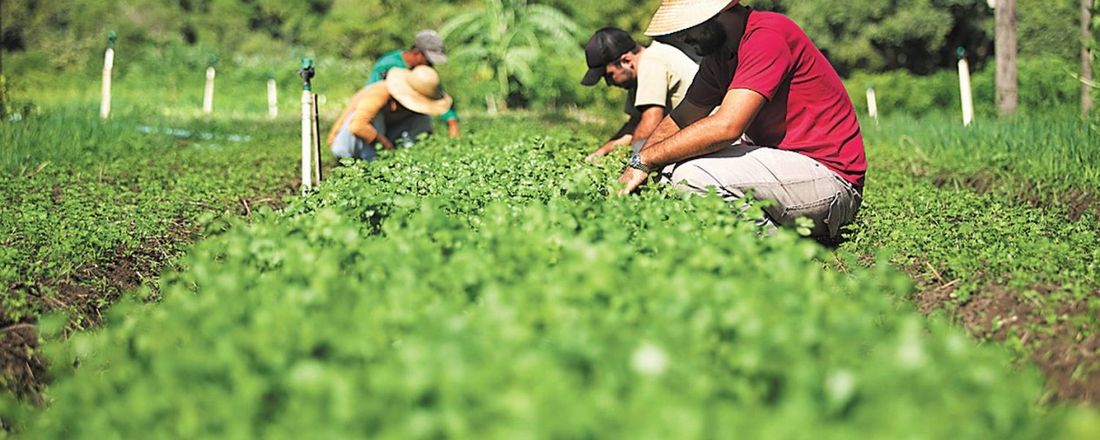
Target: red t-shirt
(808, 110)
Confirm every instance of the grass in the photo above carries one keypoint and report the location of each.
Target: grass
(1050, 158)
(998, 225)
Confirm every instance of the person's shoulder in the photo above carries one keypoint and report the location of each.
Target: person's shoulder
(390, 58)
(770, 21)
(375, 89)
(665, 50)
(667, 54)
(768, 18)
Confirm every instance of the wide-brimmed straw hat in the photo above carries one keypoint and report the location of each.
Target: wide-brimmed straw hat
(418, 90)
(676, 15)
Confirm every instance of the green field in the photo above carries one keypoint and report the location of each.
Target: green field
(162, 277)
(489, 286)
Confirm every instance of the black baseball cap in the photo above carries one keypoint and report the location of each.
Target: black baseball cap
(607, 45)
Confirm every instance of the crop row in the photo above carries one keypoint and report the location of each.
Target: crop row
(489, 287)
(90, 210)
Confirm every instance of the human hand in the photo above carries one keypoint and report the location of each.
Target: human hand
(594, 157)
(386, 143)
(632, 179)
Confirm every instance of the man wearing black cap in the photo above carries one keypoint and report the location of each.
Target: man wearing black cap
(768, 80)
(656, 78)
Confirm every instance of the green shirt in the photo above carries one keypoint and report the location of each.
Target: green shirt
(391, 60)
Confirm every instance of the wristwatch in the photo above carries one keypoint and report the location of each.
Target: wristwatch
(636, 163)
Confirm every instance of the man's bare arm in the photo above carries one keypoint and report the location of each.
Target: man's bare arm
(623, 137)
(650, 120)
(683, 115)
(665, 130)
(709, 134)
(608, 147)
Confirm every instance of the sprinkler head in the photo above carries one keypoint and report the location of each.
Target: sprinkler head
(307, 72)
(212, 60)
(111, 38)
(960, 52)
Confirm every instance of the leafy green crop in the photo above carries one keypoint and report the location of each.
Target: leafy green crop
(77, 193)
(489, 287)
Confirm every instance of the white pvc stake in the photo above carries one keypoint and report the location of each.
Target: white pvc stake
(316, 159)
(272, 99)
(308, 100)
(872, 103)
(208, 93)
(964, 89)
(307, 141)
(108, 67)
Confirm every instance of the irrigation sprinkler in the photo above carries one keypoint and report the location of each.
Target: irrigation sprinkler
(964, 88)
(311, 145)
(108, 66)
(208, 92)
(272, 97)
(872, 103)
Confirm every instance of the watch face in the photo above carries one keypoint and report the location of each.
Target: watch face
(636, 163)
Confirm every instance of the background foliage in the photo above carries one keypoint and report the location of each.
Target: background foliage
(861, 36)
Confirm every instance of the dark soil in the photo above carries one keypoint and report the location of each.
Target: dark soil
(83, 297)
(88, 293)
(1066, 354)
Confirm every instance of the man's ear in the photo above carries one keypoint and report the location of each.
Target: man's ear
(631, 61)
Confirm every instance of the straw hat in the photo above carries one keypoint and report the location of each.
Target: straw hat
(676, 15)
(418, 90)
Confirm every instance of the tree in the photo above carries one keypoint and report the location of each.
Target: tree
(504, 38)
(1007, 84)
(876, 35)
(1087, 42)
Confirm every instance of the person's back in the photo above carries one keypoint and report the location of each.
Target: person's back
(667, 73)
(393, 112)
(363, 101)
(808, 109)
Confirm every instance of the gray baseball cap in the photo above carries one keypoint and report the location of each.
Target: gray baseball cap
(431, 44)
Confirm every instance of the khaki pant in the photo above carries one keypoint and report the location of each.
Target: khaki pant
(799, 185)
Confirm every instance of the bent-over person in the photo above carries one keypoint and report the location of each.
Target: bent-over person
(390, 113)
(768, 81)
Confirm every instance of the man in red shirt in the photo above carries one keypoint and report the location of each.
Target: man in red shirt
(771, 83)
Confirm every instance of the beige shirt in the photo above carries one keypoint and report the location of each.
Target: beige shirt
(664, 75)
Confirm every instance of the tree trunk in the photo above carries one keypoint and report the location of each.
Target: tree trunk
(1086, 57)
(1006, 57)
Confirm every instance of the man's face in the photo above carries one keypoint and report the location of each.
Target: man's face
(417, 58)
(622, 72)
(706, 39)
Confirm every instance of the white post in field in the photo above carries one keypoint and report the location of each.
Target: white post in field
(308, 100)
(208, 93)
(316, 141)
(872, 103)
(272, 99)
(965, 89)
(108, 67)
